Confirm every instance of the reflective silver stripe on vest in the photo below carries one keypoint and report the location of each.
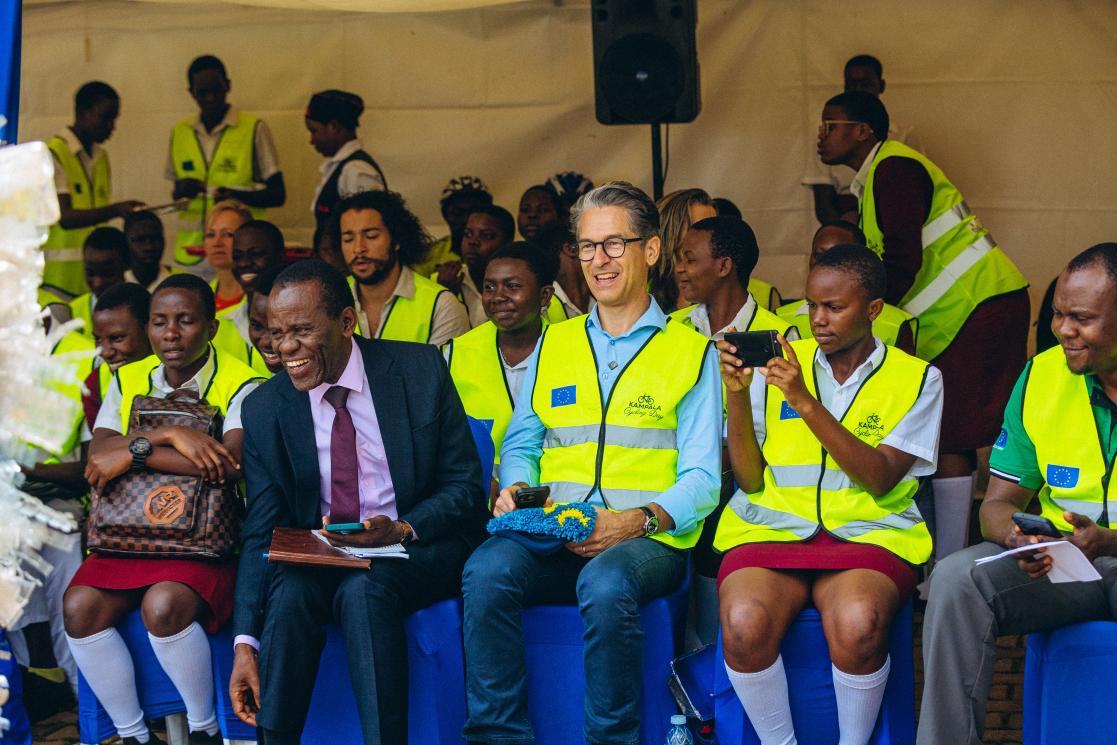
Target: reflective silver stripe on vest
(909, 518)
(628, 499)
(61, 254)
(615, 434)
(1091, 510)
(945, 222)
(807, 476)
(769, 518)
(569, 491)
(950, 274)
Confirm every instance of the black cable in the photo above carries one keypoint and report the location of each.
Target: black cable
(666, 153)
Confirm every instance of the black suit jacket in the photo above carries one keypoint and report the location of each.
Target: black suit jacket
(431, 455)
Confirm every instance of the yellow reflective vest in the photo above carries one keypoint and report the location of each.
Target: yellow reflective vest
(767, 296)
(79, 354)
(231, 166)
(62, 250)
(804, 489)
(886, 327)
(1059, 419)
(408, 319)
(82, 307)
(962, 265)
(624, 446)
(230, 342)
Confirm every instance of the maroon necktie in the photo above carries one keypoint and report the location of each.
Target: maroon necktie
(345, 499)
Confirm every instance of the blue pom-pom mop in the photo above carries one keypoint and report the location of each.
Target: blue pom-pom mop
(571, 521)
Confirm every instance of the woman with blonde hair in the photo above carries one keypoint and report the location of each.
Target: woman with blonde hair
(221, 223)
(677, 212)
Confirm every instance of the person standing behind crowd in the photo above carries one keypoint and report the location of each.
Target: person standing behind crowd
(488, 364)
(540, 206)
(894, 326)
(1057, 445)
(830, 186)
(105, 259)
(144, 232)
(461, 197)
(332, 118)
(257, 247)
(82, 181)
(571, 296)
(827, 444)
(487, 230)
(652, 478)
(222, 222)
(381, 240)
(221, 154)
(944, 268)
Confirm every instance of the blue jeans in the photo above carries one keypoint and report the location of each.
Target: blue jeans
(502, 577)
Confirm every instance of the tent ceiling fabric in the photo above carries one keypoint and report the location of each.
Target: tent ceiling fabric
(353, 6)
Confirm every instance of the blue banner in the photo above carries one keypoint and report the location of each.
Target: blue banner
(10, 36)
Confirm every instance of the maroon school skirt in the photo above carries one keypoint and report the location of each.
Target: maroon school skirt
(212, 580)
(979, 369)
(822, 553)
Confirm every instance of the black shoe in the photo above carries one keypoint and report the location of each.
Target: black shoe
(134, 741)
(201, 738)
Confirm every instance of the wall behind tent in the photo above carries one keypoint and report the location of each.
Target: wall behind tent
(1015, 100)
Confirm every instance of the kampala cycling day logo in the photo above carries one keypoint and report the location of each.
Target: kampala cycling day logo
(645, 405)
(870, 427)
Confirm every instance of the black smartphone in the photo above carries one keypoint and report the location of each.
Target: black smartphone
(532, 496)
(755, 348)
(1035, 525)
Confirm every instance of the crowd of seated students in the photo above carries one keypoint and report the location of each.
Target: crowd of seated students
(594, 352)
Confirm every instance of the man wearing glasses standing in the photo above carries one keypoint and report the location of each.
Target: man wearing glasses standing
(623, 412)
(943, 267)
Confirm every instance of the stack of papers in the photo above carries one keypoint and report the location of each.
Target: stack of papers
(394, 551)
(1068, 563)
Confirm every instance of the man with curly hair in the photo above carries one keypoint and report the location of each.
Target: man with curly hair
(381, 240)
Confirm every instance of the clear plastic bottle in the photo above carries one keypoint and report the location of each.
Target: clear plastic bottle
(679, 734)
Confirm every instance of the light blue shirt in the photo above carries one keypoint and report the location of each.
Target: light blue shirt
(698, 433)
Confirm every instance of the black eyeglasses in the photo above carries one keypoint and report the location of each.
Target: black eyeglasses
(613, 247)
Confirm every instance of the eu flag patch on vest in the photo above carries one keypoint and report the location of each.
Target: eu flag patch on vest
(1002, 440)
(1061, 477)
(188, 165)
(564, 396)
(786, 412)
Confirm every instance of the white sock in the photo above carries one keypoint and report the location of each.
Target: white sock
(185, 658)
(764, 696)
(859, 698)
(953, 502)
(106, 663)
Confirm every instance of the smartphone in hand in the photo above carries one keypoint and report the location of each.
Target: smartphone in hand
(755, 348)
(532, 496)
(1035, 525)
(344, 528)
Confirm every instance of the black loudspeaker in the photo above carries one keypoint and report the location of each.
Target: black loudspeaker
(645, 61)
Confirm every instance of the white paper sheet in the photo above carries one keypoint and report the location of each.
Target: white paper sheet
(1068, 563)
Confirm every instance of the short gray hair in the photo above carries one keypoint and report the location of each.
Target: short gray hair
(642, 213)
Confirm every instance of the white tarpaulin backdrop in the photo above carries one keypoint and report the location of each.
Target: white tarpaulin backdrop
(1016, 100)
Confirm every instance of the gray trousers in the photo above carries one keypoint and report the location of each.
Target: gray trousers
(968, 607)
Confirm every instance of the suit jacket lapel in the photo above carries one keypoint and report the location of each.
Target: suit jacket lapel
(298, 437)
(389, 399)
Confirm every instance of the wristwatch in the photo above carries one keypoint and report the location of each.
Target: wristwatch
(408, 532)
(651, 521)
(140, 448)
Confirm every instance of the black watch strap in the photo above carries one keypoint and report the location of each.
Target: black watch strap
(651, 521)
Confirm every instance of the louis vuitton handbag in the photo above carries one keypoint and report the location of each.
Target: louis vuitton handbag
(153, 515)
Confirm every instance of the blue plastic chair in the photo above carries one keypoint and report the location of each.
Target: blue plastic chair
(806, 657)
(19, 730)
(556, 689)
(1069, 678)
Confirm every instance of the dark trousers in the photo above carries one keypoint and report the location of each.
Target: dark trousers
(370, 607)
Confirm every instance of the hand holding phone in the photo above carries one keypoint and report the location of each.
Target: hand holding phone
(755, 348)
(1035, 525)
(532, 496)
(344, 528)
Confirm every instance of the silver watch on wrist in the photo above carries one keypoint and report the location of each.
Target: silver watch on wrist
(651, 521)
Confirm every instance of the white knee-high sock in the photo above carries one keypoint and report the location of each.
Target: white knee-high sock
(953, 502)
(859, 698)
(185, 658)
(106, 663)
(764, 696)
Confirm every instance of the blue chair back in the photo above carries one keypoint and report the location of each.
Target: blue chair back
(485, 449)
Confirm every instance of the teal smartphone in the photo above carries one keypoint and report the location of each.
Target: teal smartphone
(344, 528)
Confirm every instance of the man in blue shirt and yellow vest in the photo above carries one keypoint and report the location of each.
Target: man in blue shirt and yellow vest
(1057, 443)
(623, 412)
(82, 180)
(221, 154)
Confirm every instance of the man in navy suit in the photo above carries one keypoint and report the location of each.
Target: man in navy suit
(353, 429)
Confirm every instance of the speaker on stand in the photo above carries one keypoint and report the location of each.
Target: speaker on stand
(646, 67)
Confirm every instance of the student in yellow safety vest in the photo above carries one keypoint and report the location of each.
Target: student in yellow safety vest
(262, 356)
(105, 259)
(945, 269)
(144, 232)
(827, 444)
(120, 333)
(82, 180)
(221, 154)
(381, 240)
(258, 247)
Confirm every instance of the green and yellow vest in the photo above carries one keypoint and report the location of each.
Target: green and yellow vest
(62, 250)
(408, 319)
(80, 349)
(767, 296)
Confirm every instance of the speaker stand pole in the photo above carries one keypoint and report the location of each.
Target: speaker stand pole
(657, 162)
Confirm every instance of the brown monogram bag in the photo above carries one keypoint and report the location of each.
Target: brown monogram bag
(162, 515)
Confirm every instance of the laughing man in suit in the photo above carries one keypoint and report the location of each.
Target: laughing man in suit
(354, 429)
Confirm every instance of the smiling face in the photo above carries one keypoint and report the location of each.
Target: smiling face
(103, 269)
(511, 294)
(258, 333)
(698, 273)
(537, 210)
(312, 347)
(367, 246)
(179, 332)
(615, 282)
(482, 238)
(218, 241)
(841, 312)
(253, 254)
(120, 337)
(1085, 319)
